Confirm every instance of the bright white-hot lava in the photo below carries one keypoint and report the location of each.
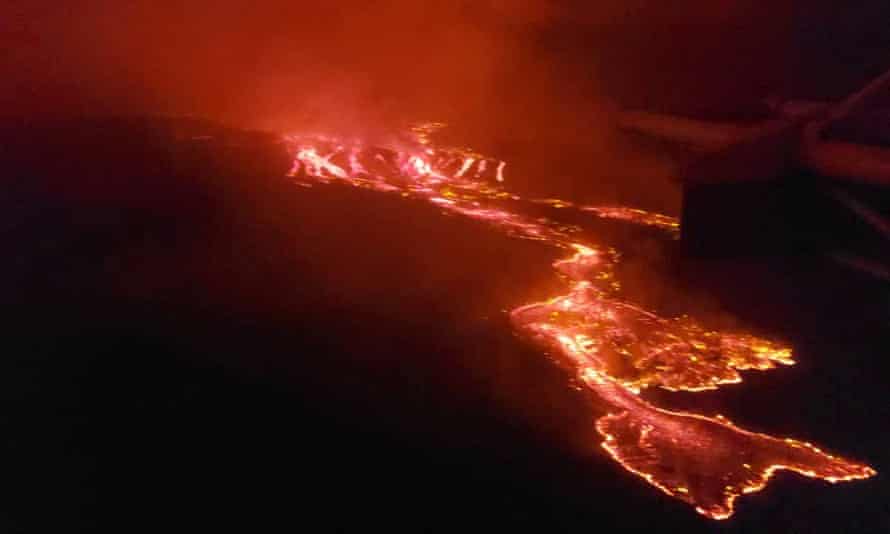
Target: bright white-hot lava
(615, 348)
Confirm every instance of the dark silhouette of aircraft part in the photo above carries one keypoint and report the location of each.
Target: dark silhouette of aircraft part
(814, 177)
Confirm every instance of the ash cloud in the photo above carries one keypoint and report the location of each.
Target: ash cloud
(488, 68)
(275, 62)
(261, 62)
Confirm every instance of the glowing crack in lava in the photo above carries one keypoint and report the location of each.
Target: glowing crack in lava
(615, 348)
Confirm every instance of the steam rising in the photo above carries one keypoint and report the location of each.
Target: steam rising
(274, 62)
(514, 79)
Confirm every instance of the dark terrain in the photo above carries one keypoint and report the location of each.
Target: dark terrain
(193, 342)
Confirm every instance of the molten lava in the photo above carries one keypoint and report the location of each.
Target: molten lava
(615, 348)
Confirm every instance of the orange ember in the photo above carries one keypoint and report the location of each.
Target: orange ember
(616, 348)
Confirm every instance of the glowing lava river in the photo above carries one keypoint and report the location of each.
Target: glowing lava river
(616, 349)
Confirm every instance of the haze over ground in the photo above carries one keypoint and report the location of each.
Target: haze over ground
(273, 61)
(523, 73)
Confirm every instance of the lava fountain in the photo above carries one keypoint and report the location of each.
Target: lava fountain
(615, 348)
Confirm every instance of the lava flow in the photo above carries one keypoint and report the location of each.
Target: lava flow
(615, 348)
